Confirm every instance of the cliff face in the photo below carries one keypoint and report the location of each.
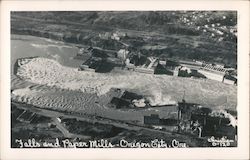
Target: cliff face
(210, 36)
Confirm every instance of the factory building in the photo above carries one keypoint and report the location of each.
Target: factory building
(212, 75)
(147, 66)
(213, 72)
(153, 119)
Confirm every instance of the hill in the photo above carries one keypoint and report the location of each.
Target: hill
(203, 35)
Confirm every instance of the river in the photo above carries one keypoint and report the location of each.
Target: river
(42, 95)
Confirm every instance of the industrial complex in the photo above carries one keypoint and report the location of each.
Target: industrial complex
(134, 77)
(137, 62)
(188, 118)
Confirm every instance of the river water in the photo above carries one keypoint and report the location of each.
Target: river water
(29, 46)
(63, 99)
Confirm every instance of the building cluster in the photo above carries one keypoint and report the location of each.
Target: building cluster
(185, 117)
(194, 119)
(198, 69)
(152, 65)
(138, 62)
(216, 71)
(115, 35)
(148, 67)
(211, 26)
(97, 60)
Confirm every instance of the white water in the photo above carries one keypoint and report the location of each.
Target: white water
(49, 72)
(40, 75)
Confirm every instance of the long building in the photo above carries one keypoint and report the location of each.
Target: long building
(213, 72)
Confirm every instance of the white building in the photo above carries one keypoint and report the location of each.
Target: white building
(162, 62)
(115, 37)
(199, 63)
(122, 54)
(213, 72)
(228, 81)
(139, 103)
(186, 69)
(129, 65)
(212, 75)
(176, 71)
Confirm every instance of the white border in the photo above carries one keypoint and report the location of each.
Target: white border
(240, 152)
